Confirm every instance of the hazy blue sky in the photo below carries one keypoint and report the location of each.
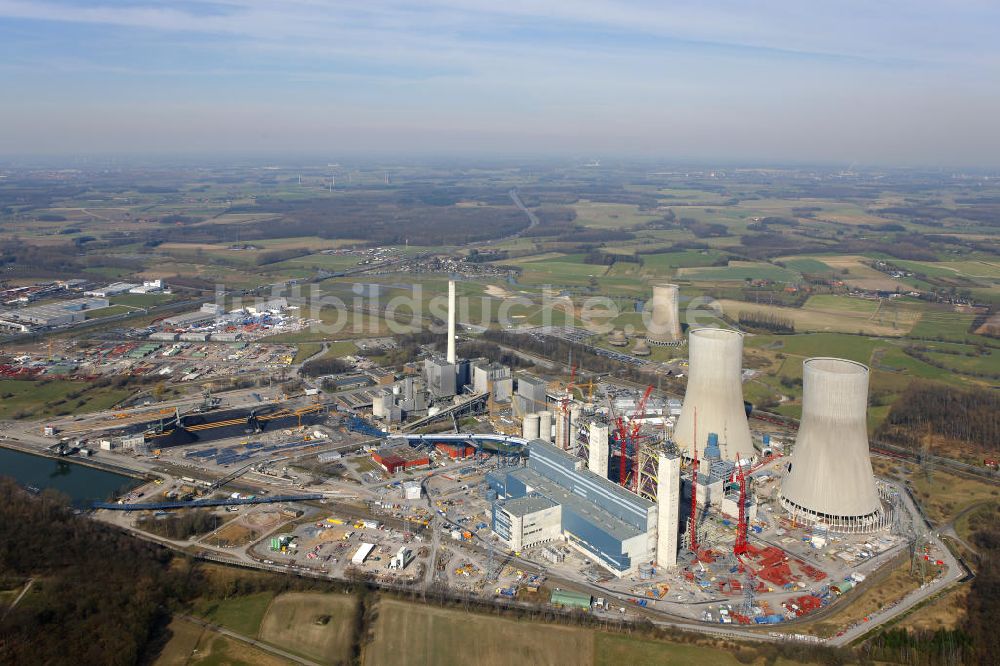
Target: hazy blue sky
(866, 81)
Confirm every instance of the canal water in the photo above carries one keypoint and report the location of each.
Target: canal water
(81, 483)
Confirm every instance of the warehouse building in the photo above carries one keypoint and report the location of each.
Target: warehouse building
(606, 522)
(61, 313)
(395, 458)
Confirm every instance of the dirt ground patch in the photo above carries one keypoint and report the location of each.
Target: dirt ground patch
(409, 634)
(235, 534)
(829, 319)
(315, 625)
(948, 612)
(497, 292)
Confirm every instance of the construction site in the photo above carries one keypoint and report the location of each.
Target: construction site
(467, 475)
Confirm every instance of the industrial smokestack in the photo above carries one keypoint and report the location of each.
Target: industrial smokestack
(830, 477)
(665, 325)
(451, 322)
(668, 503)
(715, 393)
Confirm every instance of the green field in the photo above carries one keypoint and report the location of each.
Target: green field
(666, 262)
(108, 312)
(740, 271)
(305, 350)
(602, 215)
(807, 265)
(52, 397)
(141, 300)
(241, 614)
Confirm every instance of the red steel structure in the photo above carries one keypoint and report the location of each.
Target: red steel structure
(740, 547)
(628, 432)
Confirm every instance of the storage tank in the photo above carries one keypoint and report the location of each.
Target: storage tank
(529, 427)
(664, 326)
(715, 393)
(545, 425)
(830, 477)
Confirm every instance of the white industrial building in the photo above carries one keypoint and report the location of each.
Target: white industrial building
(493, 378)
(60, 313)
(208, 313)
(112, 289)
(529, 520)
(362, 553)
(147, 287)
(597, 449)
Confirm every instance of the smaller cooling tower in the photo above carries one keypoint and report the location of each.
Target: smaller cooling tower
(617, 338)
(529, 427)
(830, 476)
(715, 395)
(664, 327)
(545, 425)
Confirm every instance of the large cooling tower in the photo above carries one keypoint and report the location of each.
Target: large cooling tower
(665, 325)
(830, 477)
(715, 393)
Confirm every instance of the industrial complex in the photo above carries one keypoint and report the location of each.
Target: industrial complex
(467, 473)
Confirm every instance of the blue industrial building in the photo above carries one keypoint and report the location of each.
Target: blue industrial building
(610, 524)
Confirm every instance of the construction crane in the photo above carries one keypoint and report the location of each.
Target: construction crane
(628, 433)
(740, 546)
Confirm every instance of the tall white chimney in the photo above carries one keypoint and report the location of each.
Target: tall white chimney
(451, 322)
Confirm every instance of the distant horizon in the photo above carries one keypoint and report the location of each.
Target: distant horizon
(387, 160)
(896, 83)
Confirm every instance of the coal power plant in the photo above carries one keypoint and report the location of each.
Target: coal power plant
(713, 401)
(830, 479)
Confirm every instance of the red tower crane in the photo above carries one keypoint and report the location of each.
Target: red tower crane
(628, 431)
(740, 547)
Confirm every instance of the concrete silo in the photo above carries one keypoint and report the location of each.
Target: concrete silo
(664, 327)
(830, 476)
(545, 425)
(715, 394)
(529, 426)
